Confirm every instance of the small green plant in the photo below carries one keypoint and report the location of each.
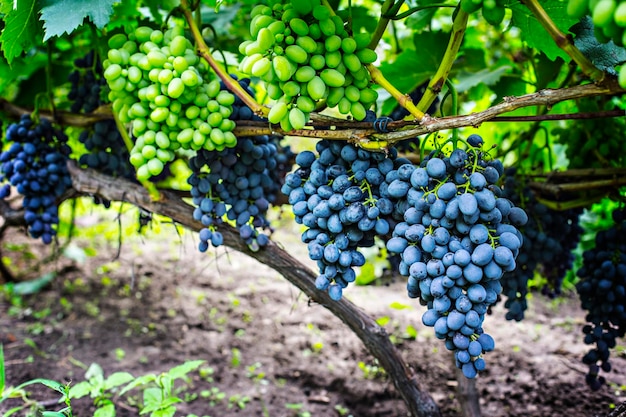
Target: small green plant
(238, 400)
(342, 411)
(30, 406)
(371, 371)
(100, 389)
(213, 395)
(253, 372)
(298, 410)
(158, 395)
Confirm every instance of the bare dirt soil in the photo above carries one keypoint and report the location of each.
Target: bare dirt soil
(267, 348)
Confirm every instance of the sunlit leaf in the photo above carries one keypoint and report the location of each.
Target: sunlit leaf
(63, 16)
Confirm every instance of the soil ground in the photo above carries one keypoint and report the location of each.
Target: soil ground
(268, 350)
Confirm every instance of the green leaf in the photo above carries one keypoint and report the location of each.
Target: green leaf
(142, 380)
(181, 371)
(57, 386)
(14, 410)
(166, 412)
(366, 275)
(107, 410)
(411, 69)
(61, 16)
(95, 371)
(547, 71)
(382, 321)
(117, 379)
(484, 77)
(605, 56)
(399, 306)
(80, 390)
(152, 399)
(534, 34)
(34, 286)
(411, 332)
(53, 414)
(20, 69)
(21, 29)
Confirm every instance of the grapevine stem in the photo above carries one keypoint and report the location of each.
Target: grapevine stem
(49, 83)
(231, 83)
(564, 42)
(420, 8)
(403, 99)
(382, 23)
(439, 79)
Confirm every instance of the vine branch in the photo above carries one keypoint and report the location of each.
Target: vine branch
(363, 132)
(374, 337)
(438, 80)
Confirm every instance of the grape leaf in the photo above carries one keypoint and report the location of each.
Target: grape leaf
(61, 16)
(534, 34)
(411, 68)
(605, 56)
(21, 29)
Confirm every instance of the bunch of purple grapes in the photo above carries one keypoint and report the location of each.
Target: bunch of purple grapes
(35, 164)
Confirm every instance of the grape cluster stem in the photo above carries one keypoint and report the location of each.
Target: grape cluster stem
(204, 52)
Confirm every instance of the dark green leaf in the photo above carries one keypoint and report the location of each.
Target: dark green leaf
(420, 20)
(534, 34)
(126, 15)
(412, 68)
(21, 29)
(61, 16)
(547, 70)
(362, 19)
(18, 70)
(508, 86)
(605, 56)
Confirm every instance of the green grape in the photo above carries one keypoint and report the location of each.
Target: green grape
(470, 6)
(622, 76)
(159, 86)
(619, 16)
(494, 16)
(602, 13)
(577, 8)
(311, 58)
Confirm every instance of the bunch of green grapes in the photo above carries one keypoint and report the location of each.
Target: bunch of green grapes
(493, 10)
(166, 93)
(609, 21)
(306, 57)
